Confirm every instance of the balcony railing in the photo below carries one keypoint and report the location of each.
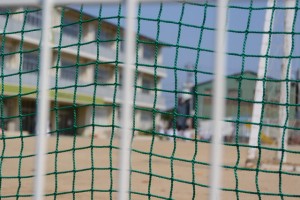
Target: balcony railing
(106, 93)
(15, 27)
(88, 49)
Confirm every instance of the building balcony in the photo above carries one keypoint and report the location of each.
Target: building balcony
(17, 29)
(88, 49)
(65, 90)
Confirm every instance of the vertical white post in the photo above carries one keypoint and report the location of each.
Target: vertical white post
(126, 115)
(285, 74)
(43, 103)
(258, 95)
(218, 99)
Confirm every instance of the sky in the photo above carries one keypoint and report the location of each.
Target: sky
(193, 15)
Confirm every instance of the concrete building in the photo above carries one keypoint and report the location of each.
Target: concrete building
(239, 102)
(243, 98)
(87, 71)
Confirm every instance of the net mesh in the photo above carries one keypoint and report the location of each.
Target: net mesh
(172, 103)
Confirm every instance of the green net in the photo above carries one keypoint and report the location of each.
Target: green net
(173, 86)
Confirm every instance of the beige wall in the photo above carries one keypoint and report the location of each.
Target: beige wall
(148, 124)
(90, 31)
(54, 62)
(87, 72)
(13, 111)
(12, 61)
(86, 119)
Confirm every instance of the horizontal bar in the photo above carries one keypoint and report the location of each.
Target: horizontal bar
(64, 2)
(12, 3)
(194, 1)
(174, 1)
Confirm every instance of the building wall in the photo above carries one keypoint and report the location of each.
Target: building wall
(243, 99)
(67, 49)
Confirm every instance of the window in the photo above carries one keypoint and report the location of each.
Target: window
(122, 45)
(1, 58)
(101, 116)
(3, 110)
(149, 51)
(103, 75)
(34, 17)
(233, 93)
(106, 35)
(122, 42)
(119, 113)
(3, 10)
(7, 58)
(68, 70)
(146, 116)
(30, 61)
(146, 120)
(147, 84)
(207, 91)
(29, 119)
(208, 98)
(70, 29)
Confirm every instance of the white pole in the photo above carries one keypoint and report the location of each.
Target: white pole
(126, 115)
(258, 95)
(285, 73)
(218, 100)
(43, 103)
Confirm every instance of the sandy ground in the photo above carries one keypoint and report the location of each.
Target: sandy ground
(75, 170)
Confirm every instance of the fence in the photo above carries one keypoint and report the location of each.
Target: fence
(75, 74)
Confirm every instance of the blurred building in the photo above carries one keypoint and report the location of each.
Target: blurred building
(82, 95)
(239, 101)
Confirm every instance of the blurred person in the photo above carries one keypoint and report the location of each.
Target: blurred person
(181, 121)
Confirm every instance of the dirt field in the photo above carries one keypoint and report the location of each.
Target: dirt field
(79, 177)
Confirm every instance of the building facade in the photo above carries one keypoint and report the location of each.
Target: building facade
(240, 100)
(86, 74)
(240, 90)
(239, 103)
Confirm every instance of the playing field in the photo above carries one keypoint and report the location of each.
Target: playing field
(75, 170)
